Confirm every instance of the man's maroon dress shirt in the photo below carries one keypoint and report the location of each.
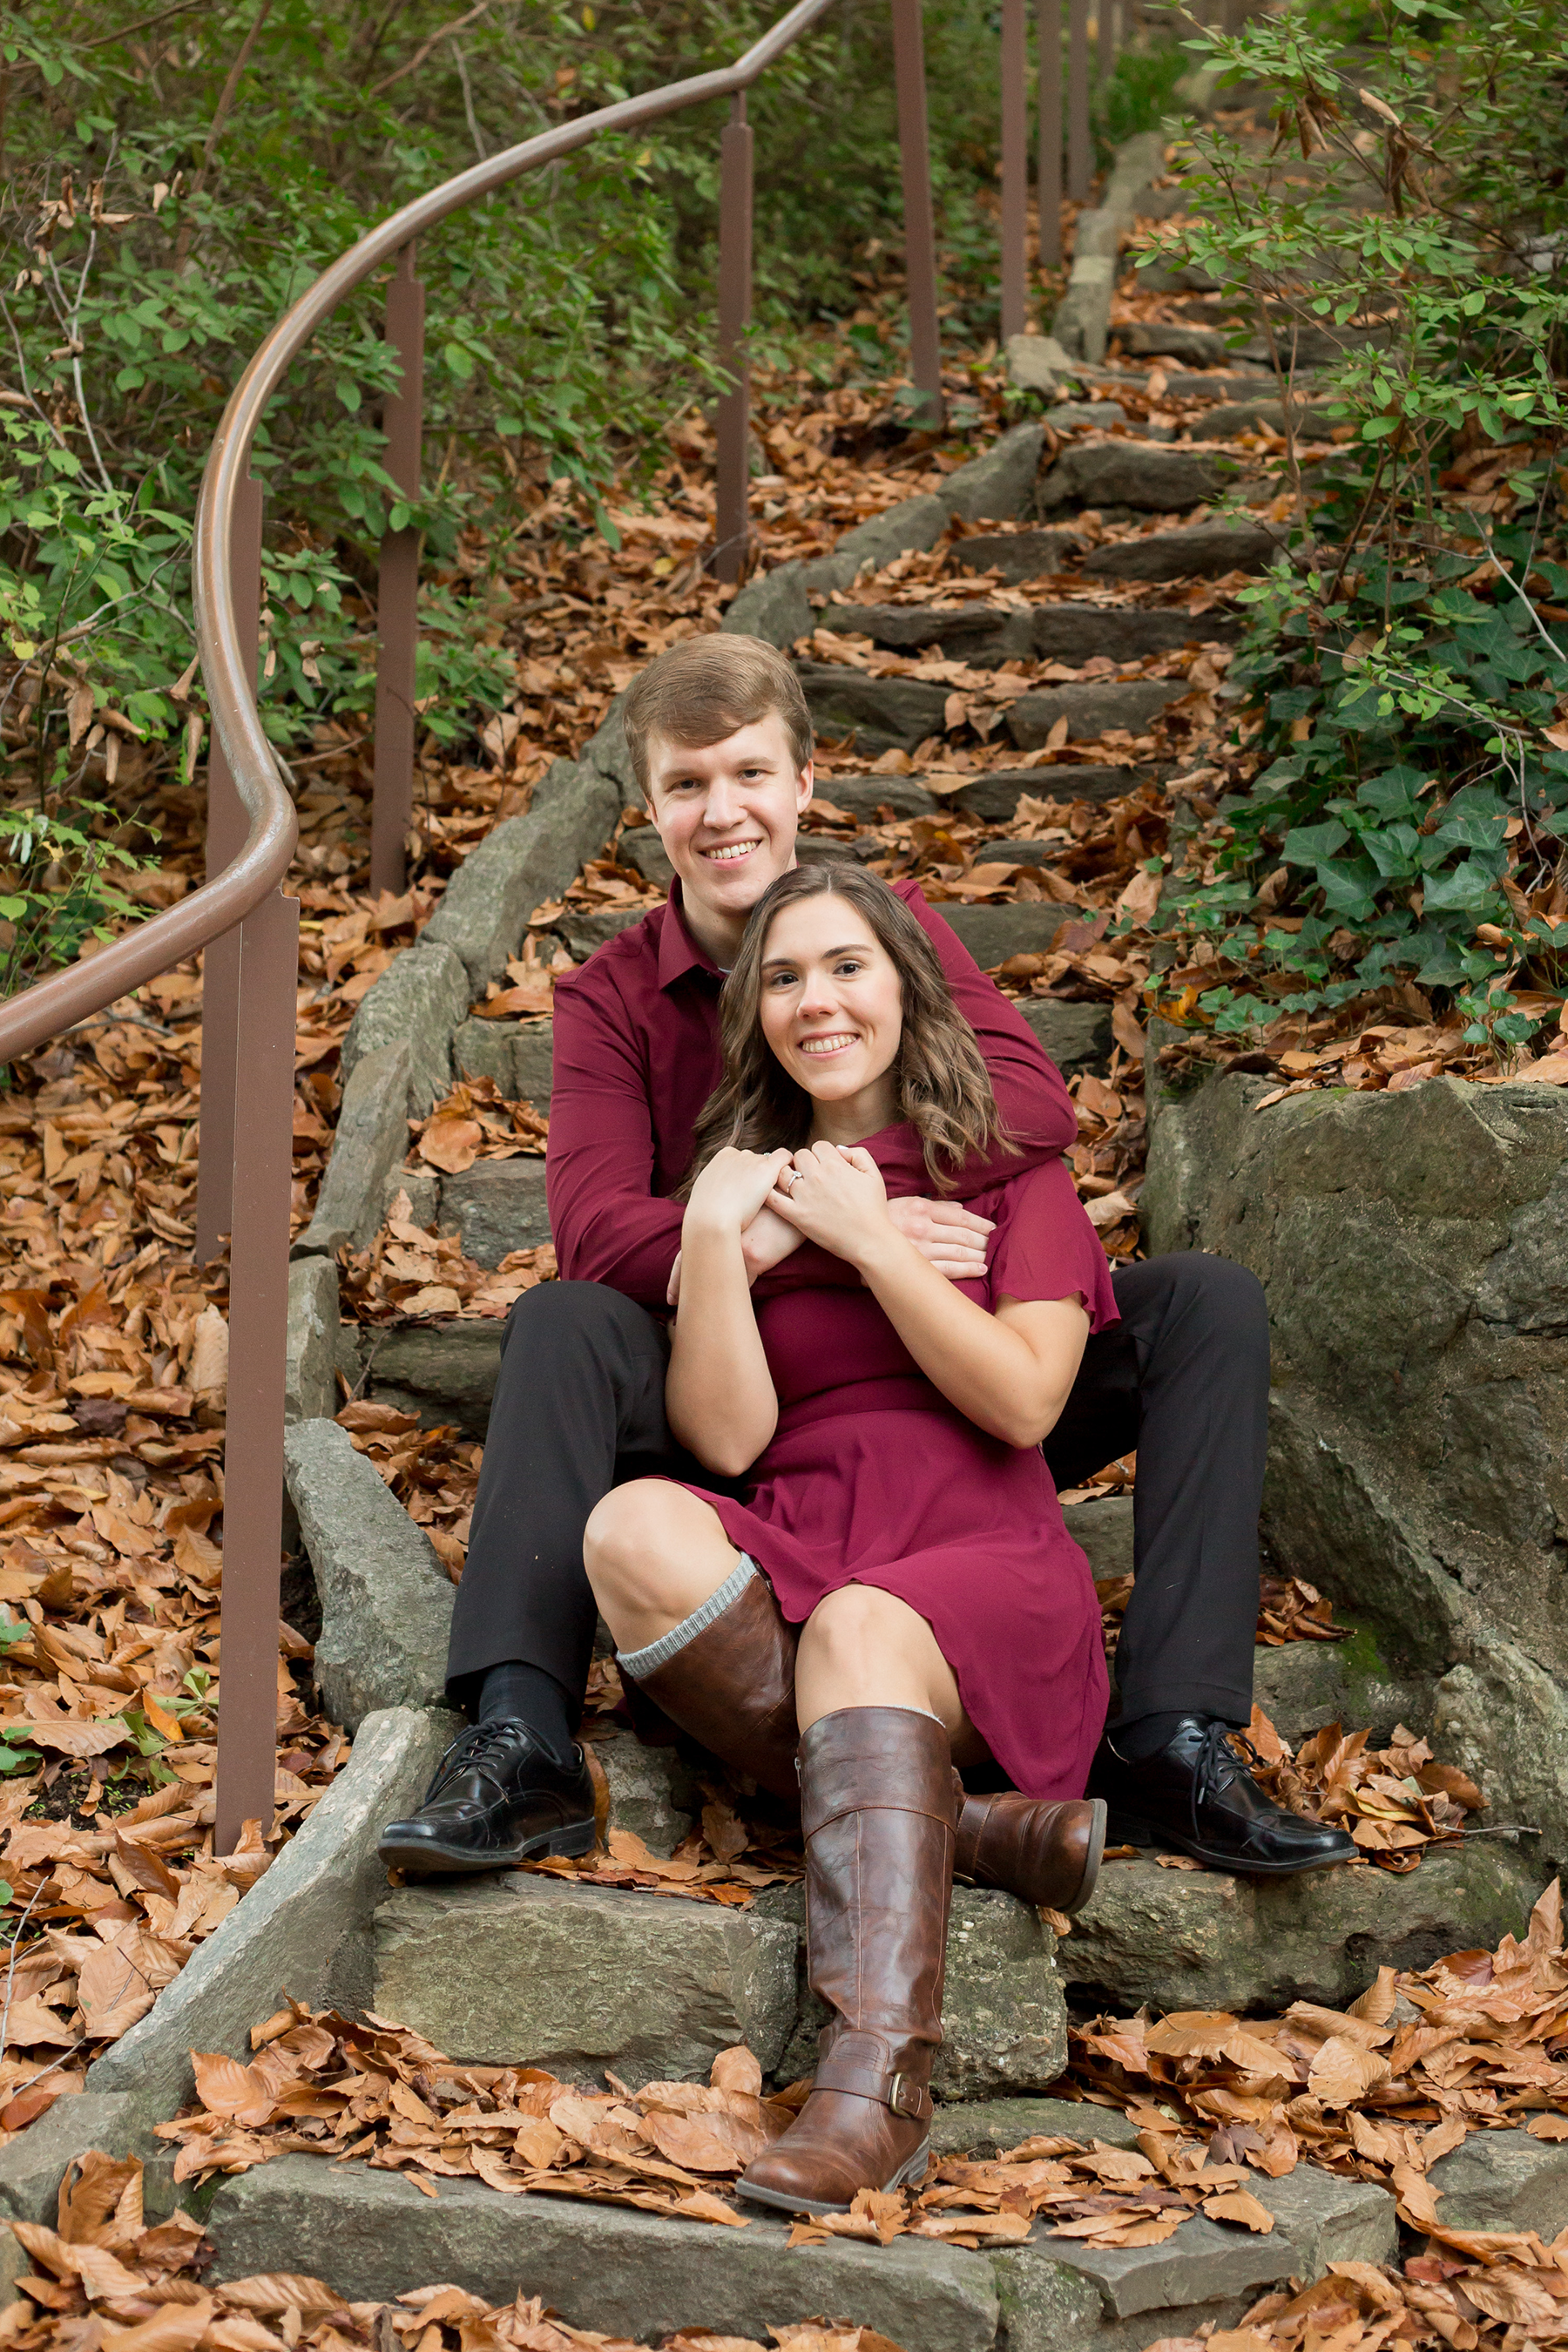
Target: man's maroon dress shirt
(636, 1057)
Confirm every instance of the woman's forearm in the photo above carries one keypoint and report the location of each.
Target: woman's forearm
(718, 1393)
(988, 1370)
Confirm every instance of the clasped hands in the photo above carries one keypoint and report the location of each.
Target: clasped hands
(832, 1195)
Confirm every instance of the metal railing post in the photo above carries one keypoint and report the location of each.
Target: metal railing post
(1081, 154)
(257, 1311)
(397, 586)
(733, 422)
(227, 826)
(920, 232)
(1014, 166)
(1048, 170)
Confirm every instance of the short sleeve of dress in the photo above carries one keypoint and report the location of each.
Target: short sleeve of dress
(1044, 1246)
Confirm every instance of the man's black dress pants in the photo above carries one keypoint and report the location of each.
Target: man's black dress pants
(1183, 1377)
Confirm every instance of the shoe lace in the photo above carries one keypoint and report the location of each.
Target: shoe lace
(478, 1750)
(1219, 1765)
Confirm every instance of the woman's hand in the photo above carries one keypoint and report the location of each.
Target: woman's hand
(767, 1242)
(731, 1190)
(833, 1193)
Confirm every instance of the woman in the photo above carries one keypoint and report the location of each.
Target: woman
(899, 1509)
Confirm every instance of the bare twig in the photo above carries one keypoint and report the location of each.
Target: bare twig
(423, 51)
(220, 117)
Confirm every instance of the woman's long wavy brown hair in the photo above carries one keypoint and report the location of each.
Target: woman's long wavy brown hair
(943, 1086)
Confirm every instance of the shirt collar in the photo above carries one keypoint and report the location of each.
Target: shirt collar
(679, 953)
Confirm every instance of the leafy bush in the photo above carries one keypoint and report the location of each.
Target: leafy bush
(1404, 757)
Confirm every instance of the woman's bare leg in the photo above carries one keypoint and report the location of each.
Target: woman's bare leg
(862, 1647)
(654, 1553)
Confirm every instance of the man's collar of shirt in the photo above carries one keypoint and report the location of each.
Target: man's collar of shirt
(679, 953)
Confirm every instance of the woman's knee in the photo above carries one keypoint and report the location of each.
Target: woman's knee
(632, 1538)
(856, 1623)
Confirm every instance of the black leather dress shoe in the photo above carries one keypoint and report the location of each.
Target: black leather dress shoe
(1195, 1793)
(498, 1797)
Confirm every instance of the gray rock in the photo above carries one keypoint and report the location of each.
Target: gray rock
(514, 1970)
(1199, 1939)
(520, 865)
(1075, 1036)
(370, 1142)
(1105, 1531)
(1089, 710)
(315, 1333)
(862, 796)
(483, 1049)
(1203, 551)
(971, 633)
(1504, 2180)
(1201, 2266)
(1198, 346)
(1088, 415)
(1133, 474)
(1069, 633)
(443, 1372)
(1082, 321)
(1038, 363)
(585, 929)
(876, 714)
(1046, 2307)
(497, 1206)
(1304, 1684)
(914, 523)
(422, 1189)
(986, 2127)
(418, 1000)
(1246, 415)
(1418, 1464)
(993, 797)
(1003, 2022)
(387, 1600)
(653, 1793)
(305, 1923)
(1327, 2219)
(34, 2160)
(601, 2266)
(1017, 555)
(992, 934)
(532, 1061)
(1158, 280)
(998, 486)
(608, 750)
(643, 848)
(1140, 161)
(826, 573)
(772, 606)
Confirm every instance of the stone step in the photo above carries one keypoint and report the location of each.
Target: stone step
(1017, 555)
(888, 714)
(521, 1969)
(1090, 711)
(644, 2276)
(1200, 1940)
(1202, 551)
(1134, 474)
(1068, 631)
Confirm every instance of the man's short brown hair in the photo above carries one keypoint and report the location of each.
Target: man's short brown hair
(705, 689)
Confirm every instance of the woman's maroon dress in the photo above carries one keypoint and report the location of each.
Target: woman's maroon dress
(872, 1477)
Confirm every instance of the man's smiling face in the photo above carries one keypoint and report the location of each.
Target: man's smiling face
(727, 815)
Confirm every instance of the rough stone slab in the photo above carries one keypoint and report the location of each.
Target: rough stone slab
(1198, 346)
(998, 486)
(515, 1970)
(1304, 1684)
(1201, 1939)
(304, 1925)
(1201, 550)
(1017, 555)
(1004, 2021)
(1203, 2261)
(370, 1142)
(315, 1334)
(443, 1372)
(584, 929)
(483, 1049)
(971, 633)
(1504, 2180)
(862, 796)
(772, 606)
(601, 2266)
(653, 1793)
(993, 797)
(32, 2164)
(1045, 2307)
(1068, 633)
(987, 2126)
(992, 934)
(419, 999)
(1038, 363)
(1327, 2219)
(1245, 416)
(524, 862)
(876, 714)
(1091, 709)
(1133, 474)
(387, 1600)
(1105, 1531)
(607, 750)
(643, 849)
(1075, 1036)
(497, 1206)
(1075, 633)
(913, 522)
(422, 1189)
(533, 1061)
(1505, 1722)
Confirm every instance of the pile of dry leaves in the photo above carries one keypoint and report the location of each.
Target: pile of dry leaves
(102, 2274)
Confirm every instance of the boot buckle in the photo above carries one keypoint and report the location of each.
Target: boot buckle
(905, 2097)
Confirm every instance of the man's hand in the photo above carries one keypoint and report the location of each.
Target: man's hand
(767, 1242)
(946, 1233)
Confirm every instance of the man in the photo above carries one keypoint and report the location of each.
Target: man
(721, 740)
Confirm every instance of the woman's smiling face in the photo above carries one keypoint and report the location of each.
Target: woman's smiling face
(832, 1002)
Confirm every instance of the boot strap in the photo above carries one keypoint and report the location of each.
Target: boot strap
(900, 2092)
(878, 1804)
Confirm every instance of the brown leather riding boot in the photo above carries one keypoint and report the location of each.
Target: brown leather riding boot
(877, 1806)
(732, 1687)
(1048, 1854)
